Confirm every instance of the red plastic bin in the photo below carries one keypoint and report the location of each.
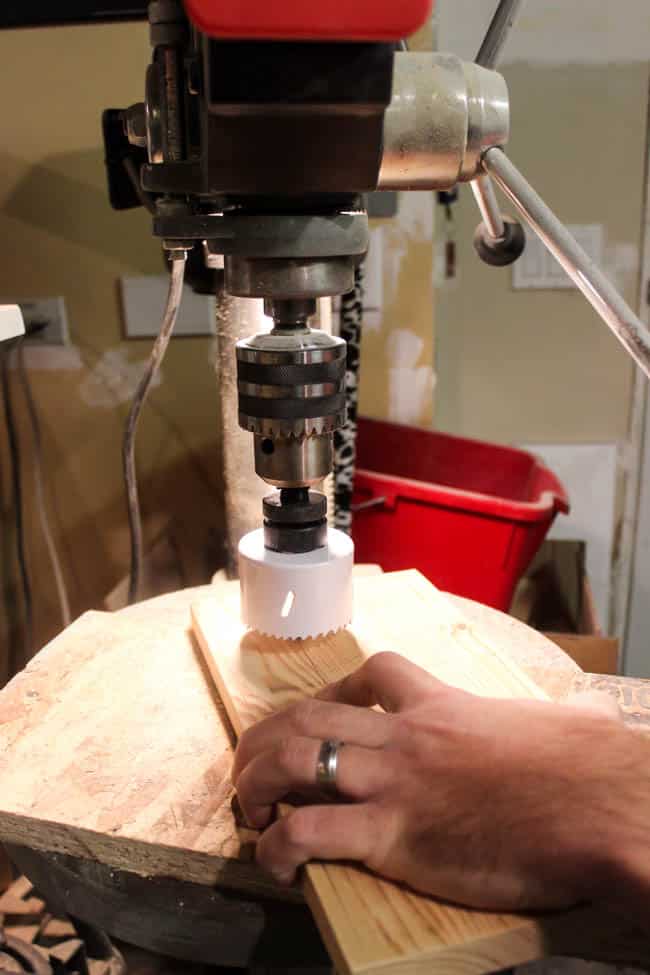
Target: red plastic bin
(469, 515)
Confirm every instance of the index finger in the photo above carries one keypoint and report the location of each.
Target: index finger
(311, 718)
(386, 679)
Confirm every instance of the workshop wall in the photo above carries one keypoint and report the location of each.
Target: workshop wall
(538, 365)
(60, 237)
(397, 376)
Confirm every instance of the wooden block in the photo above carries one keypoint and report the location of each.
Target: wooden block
(59, 928)
(12, 906)
(9, 964)
(21, 887)
(97, 966)
(26, 932)
(66, 950)
(367, 923)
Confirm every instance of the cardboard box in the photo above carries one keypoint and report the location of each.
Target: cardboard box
(594, 654)
(555, 597)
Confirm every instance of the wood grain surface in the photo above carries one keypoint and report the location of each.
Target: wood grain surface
(369, 924)
(400, 611)
(114, 747)
(632, 695)
(114, 750)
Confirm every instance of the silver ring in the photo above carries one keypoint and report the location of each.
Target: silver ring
(327, 766)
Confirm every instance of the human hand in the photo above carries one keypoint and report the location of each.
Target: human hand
(499, 804)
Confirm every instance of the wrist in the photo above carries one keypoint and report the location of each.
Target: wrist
(600, 831)
(620, 844)
(629, 889)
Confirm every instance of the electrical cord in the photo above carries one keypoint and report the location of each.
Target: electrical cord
(40, 491)
(91, 356)
(17, 498)
(139, 399)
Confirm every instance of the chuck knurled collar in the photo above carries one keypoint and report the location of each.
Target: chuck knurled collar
(291, 384)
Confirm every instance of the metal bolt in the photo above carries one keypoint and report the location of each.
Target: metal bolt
(135, 124)
(177, 246)
(212, 260)
(165, 12)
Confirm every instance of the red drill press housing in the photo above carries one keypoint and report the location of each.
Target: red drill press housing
(303, 20)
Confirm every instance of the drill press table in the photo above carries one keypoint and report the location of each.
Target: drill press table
(114, 785)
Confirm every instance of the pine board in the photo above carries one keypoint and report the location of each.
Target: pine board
(257, 675)
(368, 924)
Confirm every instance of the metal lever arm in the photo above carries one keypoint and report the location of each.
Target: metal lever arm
(487, 203)
(599, 292)
(490, 245)
(497, 34)
(498, 240)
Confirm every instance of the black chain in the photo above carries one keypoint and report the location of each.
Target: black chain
(345, 440)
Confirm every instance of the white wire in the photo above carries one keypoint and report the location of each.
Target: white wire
(40, 492)
(128, 446)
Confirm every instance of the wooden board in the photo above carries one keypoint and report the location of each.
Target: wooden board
(369, 924)
(115, 752)
(256, 675)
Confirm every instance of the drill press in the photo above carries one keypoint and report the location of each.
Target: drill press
(262, 127)
(258, 138)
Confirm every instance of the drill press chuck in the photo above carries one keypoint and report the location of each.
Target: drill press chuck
(291, 386)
